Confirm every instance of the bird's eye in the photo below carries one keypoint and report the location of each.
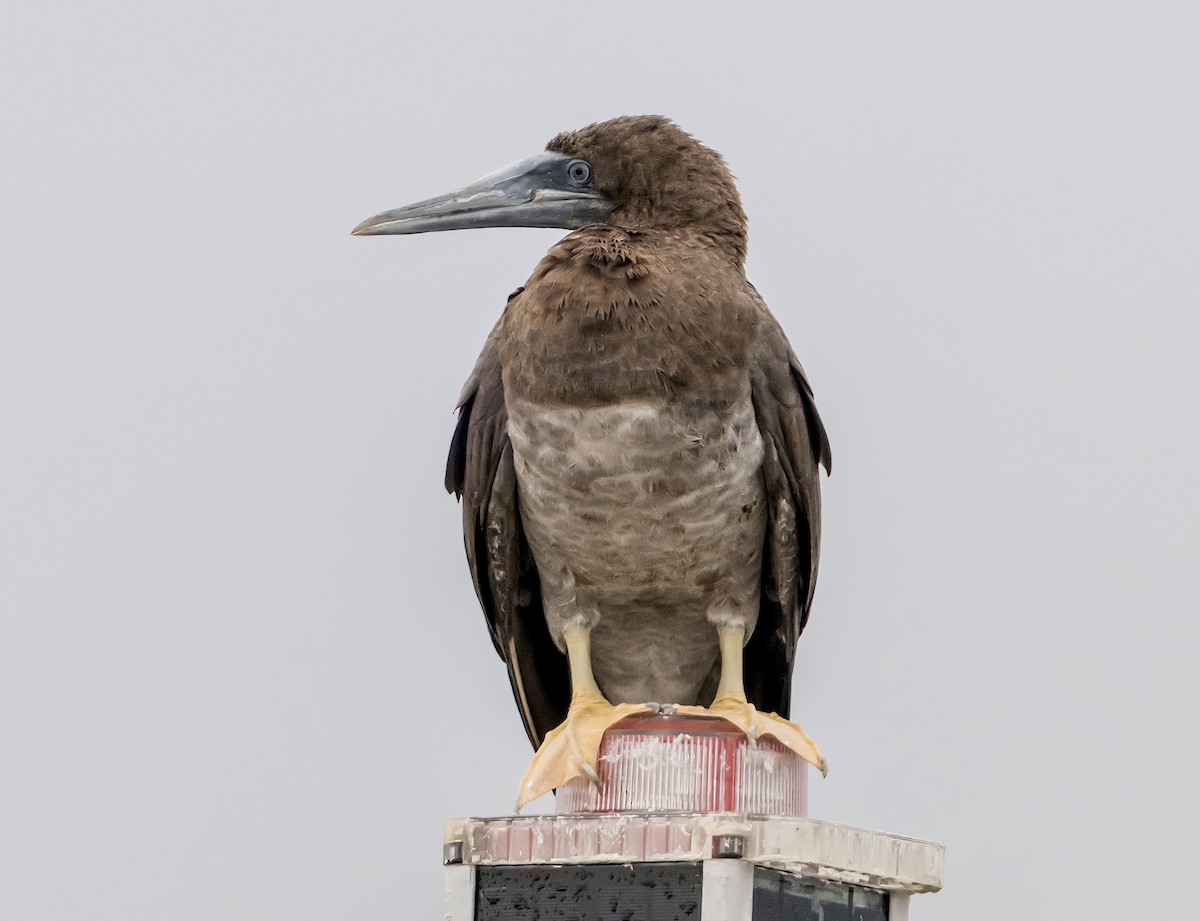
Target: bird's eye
(579, 172)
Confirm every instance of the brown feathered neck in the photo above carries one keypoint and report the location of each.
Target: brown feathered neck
(661, 178)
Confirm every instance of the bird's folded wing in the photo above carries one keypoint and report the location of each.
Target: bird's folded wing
(480, 472)
(795, 446)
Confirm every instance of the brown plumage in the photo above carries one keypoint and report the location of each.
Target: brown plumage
(637, 448)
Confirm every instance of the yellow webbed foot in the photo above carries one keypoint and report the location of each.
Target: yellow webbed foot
(570, 750)
(756, 725)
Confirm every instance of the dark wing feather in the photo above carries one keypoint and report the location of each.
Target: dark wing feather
(795, 445)
(480, 472)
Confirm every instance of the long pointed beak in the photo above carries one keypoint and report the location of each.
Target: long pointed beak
(537, 192)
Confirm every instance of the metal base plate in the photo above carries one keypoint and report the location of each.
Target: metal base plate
(808, 848)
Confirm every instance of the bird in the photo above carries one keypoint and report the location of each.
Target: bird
(637, 449)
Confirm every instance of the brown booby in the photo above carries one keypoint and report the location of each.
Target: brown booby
(637, 448)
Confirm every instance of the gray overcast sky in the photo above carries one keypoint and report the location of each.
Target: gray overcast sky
(242, 671)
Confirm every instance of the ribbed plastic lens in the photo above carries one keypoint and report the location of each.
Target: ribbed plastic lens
(663, 762)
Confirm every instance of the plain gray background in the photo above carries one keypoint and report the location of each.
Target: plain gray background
(244, 673)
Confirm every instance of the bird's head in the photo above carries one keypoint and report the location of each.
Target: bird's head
(635, 172)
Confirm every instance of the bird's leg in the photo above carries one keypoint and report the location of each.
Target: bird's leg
(731, 703)
(570, 750)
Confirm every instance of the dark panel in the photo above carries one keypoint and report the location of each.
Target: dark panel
(780, 896)
(867, 905)
(656, 892)
(605, 892)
